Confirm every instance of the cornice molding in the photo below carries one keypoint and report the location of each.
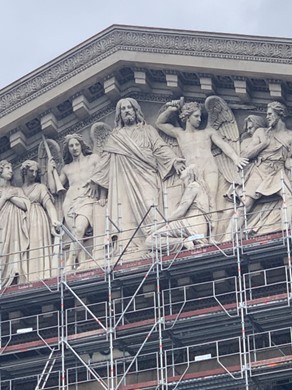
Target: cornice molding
(140, 39)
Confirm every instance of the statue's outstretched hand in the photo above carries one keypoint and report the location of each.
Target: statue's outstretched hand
(56, 228)
(179, 165)
(241, 162)
(102, 202)
(170, 106)
(52, 164)
(91, 189)
(175, 105)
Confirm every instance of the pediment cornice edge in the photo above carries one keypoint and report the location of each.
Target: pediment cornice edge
(149, 40)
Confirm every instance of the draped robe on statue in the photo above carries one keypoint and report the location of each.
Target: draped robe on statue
(14, 239)
(269, 169)
(39, 263)
(133, 163)
(268, 176)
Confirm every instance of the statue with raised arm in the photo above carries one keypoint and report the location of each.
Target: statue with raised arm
(196, 144)
(14, 239)
(270, 148)
(80, 163)
(42, 222)
(134, 160)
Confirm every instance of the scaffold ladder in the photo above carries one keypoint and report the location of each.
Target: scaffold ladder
(46, 371)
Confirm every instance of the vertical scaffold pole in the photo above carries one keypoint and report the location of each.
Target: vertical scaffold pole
(241, 293)
(287, 233)
(110, 303)
(243, 202)
(61, 278)
(158, 265)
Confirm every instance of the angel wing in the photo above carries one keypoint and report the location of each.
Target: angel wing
(99, 133)
(221, 118)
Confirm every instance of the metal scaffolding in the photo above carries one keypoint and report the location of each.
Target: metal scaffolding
(162, 320)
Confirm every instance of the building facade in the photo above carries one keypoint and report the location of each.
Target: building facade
(145, 205)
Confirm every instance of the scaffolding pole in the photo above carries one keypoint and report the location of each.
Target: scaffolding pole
(110, 330)
(287, 229)
(244, 368)
(157, 268)
(62, 279)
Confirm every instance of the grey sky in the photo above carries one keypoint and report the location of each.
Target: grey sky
(33, 32)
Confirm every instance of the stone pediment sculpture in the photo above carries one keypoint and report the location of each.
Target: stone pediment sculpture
(50, 149)
(129, 167)
(43, 224)
(270, 148)
(14, 236)
(197, 144)
(186, 169)
(221, 118)
(134, 161)
(77, 206)
(99, 133)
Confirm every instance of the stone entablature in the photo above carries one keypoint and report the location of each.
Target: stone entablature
(161, 41)
(205, 54)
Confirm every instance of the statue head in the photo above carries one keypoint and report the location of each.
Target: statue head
(276, 111)
(6, 171)
(253, 122)
(128, 112)
(188, 109)
(69, 149)
(30, 168)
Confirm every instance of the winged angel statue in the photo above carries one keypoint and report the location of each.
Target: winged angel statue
(211, 152)
(70, 172)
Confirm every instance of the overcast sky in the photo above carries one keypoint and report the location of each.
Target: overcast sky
(33, 32)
